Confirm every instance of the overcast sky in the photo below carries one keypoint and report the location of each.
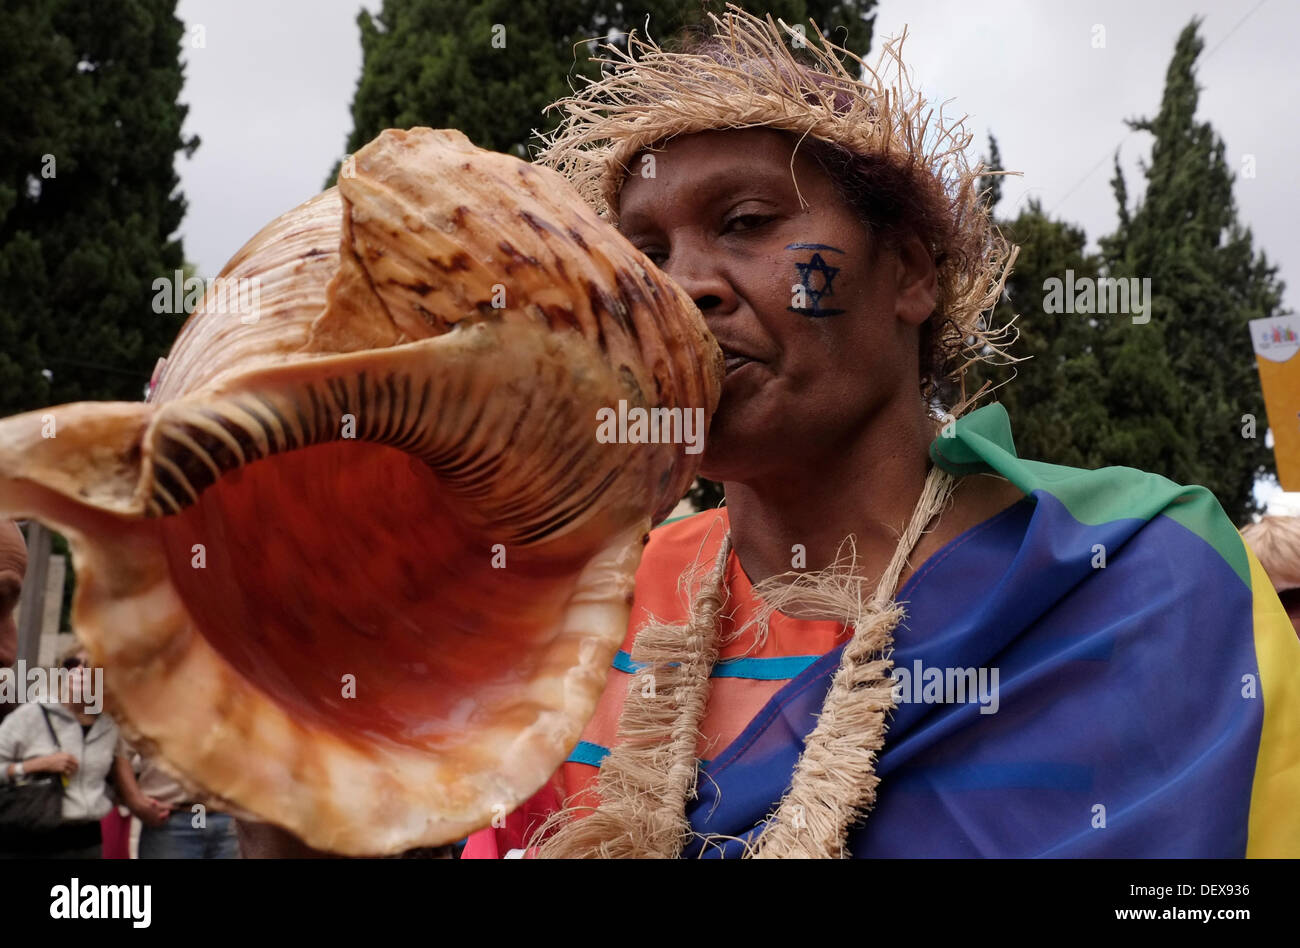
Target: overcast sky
(269, 95)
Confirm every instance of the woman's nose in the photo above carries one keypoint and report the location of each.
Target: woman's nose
(707, 288)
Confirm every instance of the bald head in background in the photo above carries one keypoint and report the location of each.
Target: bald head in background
(1276, 541)
(13, 565)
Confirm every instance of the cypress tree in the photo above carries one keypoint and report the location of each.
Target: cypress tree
(1207, 282)
(89, 205)
(1054, 394)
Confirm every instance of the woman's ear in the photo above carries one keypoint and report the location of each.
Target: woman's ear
(917, 281)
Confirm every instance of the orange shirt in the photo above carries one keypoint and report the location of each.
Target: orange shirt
(746, 676)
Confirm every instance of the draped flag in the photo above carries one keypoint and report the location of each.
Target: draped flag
(1101, 670)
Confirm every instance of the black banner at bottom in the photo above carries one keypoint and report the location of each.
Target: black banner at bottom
(516, 897)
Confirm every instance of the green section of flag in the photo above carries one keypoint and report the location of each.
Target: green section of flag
(981, 442)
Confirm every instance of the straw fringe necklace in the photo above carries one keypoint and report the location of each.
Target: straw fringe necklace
(650, 773)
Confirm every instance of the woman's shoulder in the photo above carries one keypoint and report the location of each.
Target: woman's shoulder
(24, 717)
(28, 711)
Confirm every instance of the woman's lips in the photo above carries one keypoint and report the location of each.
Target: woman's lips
(734, 362)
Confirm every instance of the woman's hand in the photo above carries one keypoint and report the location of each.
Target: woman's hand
(60, 763)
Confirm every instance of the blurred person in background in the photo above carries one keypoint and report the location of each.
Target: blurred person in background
(187, 827)
(1276, 541)
(66, 738)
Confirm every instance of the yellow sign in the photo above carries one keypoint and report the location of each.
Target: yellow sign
(1277, 355)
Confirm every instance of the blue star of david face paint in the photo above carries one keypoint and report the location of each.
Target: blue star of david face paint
(816, 281)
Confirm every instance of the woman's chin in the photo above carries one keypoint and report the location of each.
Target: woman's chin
(728, 458)
(712, 464)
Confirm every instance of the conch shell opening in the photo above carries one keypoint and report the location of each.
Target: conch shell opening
(359, 566)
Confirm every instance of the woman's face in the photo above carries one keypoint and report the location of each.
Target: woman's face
(818, 321)
(77, 683)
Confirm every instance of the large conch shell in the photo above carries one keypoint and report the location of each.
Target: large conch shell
(360, 565)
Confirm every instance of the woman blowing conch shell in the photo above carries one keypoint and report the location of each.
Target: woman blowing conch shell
(1084, 663)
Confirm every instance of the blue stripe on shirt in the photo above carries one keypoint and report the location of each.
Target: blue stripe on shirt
(592, 754)
(780, 668)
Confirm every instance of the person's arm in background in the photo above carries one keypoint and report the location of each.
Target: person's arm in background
(13, 566)
(150, 811)
(15, 740)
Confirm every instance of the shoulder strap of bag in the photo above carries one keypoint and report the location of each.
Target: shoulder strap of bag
(46, 715)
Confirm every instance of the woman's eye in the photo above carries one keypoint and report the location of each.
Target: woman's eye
(746, 222)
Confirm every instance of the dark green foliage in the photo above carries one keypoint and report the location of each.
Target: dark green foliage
(1053, 396)
(92, 84)
(992, 183)
(434, 62)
